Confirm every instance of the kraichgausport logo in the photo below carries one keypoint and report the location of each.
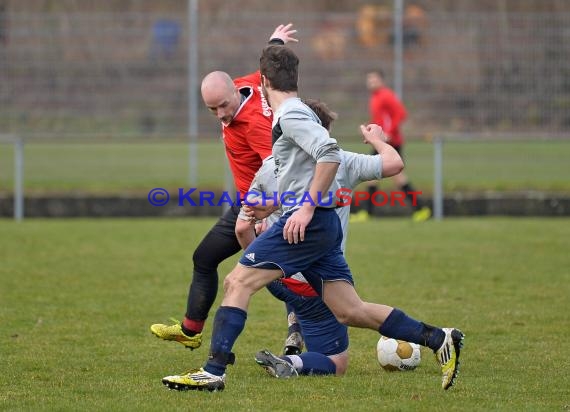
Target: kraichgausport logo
(340, 198)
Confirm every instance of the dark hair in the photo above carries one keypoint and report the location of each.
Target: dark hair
(280, 66)
(323, 112)
(380, 73)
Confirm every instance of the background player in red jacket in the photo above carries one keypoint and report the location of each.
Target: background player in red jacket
(246, 131)
(387, 111)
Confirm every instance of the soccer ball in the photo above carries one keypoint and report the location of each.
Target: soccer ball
(398, 355)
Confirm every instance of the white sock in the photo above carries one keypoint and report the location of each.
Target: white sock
(296, 361)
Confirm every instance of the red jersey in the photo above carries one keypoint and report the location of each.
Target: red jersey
(248, 137)
(387, 111)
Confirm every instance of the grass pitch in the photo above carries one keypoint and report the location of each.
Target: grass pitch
(77, 298)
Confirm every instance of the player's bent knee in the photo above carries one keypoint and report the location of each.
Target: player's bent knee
(234, 281)
(203, 261)
(349, 316)
(341, 363)
(343, 317)
(246, 279)
(346, 316)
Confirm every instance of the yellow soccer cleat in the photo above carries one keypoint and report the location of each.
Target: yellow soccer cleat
(421, 215)
(360, 216)
(174, 332)
(197, 379)
(448, 356)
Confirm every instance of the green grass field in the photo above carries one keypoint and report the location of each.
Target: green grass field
(119, 168)
(77, 298)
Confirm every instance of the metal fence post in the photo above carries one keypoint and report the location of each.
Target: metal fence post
(18, 179)
(438, 178)
(192, 92)
(399, 48)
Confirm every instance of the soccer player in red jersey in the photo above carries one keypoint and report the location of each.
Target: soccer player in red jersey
(246, 129)
(307, 238)
(246, 122)
(387, 111)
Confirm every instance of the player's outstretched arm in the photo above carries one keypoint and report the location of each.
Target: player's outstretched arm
(284, 33)
(392, 163)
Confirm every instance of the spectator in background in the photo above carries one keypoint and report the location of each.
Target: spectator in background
(165, 39)
(387, 111)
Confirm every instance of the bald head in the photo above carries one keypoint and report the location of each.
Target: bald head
(216, 82)
(220, 95)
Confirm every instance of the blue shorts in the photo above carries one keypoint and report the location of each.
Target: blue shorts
(320, 329)
(318, 257)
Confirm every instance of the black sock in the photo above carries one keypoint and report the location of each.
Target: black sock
(369, 205)
(407, 188)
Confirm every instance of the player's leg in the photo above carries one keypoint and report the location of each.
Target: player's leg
(341, 362)
(326, 339)
(344, 302)
(294, 342)
(218, 244)
(372, 188)
(239, 286)
(279, 367)
(252, 273)
(229, 322)
(265, 260)
(306, 363)
(421, 211)
(351, 310)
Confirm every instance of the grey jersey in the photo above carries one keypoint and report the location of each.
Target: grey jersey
(300, 142)
(355, 168)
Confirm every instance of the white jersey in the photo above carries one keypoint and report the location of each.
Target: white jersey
(354, 169)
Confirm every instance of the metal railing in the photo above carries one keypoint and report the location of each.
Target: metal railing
(18, 144)
(129, 72)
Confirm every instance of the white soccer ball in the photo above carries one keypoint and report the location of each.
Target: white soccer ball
(398, 355)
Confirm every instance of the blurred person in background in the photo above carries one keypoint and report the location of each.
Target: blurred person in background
(387, 111)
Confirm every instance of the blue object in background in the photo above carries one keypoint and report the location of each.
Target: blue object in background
(165, 38)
